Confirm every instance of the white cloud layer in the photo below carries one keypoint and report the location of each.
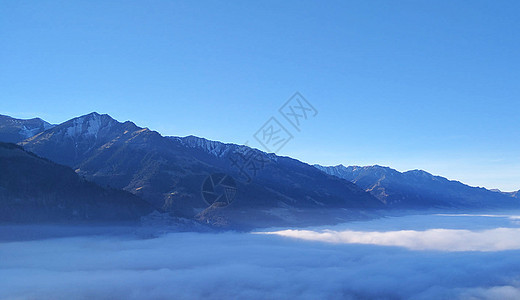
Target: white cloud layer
(252, 266)
(433, 239)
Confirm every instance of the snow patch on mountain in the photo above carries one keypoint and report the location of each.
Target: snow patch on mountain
(32, 127)
(88, 125)
(218, 149)
(214, 148)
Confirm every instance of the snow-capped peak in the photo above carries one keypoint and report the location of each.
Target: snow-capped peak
(89, 125)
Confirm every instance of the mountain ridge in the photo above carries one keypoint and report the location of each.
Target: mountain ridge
(417, 187)
(168, 171)
(16, 130)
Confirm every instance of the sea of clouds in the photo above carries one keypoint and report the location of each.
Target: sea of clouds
(411, 257)
(487, 233)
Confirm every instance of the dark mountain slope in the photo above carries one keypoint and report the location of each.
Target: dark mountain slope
(33, 189)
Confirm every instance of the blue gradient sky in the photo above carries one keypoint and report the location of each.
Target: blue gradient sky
(431, 85)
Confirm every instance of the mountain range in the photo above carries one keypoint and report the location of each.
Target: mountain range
(168, 172)
(270, 190)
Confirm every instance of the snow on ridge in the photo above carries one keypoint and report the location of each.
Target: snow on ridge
(88, 125)
(218, 149)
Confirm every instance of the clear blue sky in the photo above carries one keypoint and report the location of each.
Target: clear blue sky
(431, 85)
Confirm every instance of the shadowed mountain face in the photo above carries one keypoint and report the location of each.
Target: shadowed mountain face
(169, 172)
(16, 130)
(33, 189)
(419, 189)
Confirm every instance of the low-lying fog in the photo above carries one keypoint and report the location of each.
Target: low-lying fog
(419, 257)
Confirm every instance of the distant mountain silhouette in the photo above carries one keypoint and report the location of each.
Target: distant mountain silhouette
(419, 189)
(33, 189)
